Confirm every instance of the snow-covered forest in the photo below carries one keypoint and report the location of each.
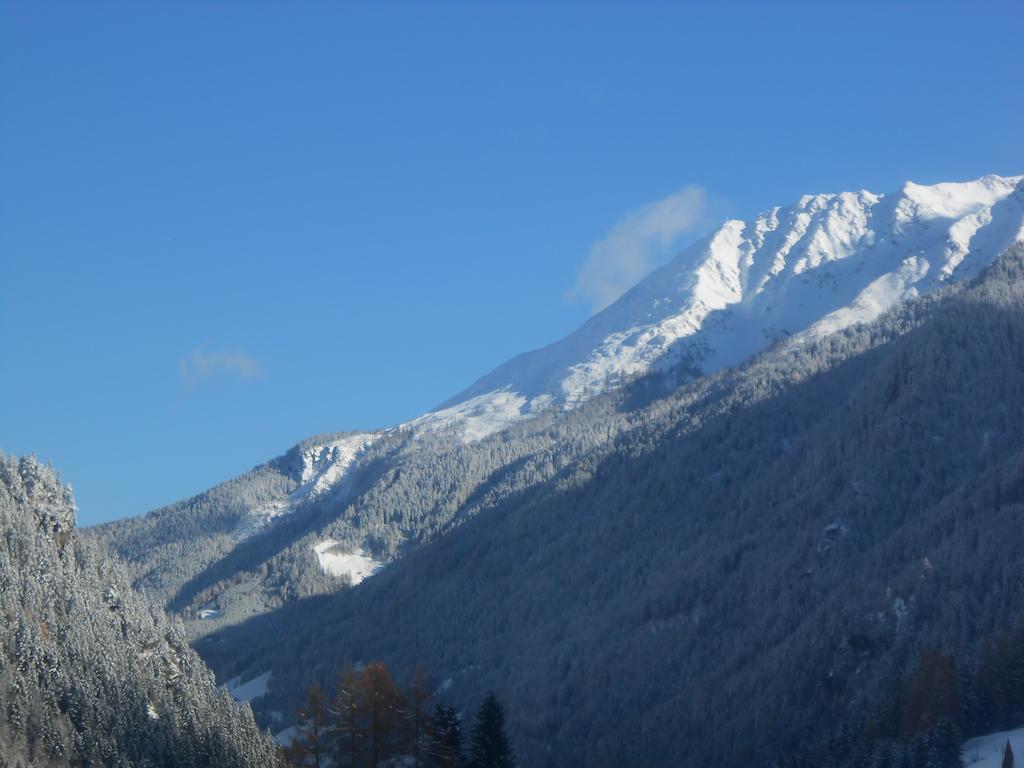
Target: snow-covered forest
(91, 673)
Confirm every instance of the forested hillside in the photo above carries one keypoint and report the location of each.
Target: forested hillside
(406, 488)
(90, 673)
(923, 719)
(302, 525)
(784, 537)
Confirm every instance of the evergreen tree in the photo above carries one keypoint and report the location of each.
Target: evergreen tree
(934, 757)
(906, 757)
(949, 738)
(445, 749)
(973, 713)
(883, 757)
(1008, 755)
(489, 746)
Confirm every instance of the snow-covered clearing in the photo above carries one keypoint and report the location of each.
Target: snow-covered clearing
(287, 736)
(987, 751)
(337, 562)
(250, 689)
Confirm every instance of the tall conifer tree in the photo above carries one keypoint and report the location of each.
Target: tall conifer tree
(489, 747)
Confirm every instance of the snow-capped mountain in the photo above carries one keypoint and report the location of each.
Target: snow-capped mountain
(809, 269)
(815, 267)
(812, 268)
(816, 517)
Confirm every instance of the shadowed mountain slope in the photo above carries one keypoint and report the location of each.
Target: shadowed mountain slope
(778, 538)
(338, 507)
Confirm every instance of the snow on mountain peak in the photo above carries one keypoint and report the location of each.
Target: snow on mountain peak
(793, 272)
(956, 200)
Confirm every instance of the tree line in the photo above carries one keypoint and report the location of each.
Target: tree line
(368, 721)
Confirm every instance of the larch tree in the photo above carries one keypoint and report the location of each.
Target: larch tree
(417, 717)
(313, 743)
(346, 715)
(384, 705)
(445, 747)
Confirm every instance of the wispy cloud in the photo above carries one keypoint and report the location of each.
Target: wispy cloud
(201, 365)
(626, 254)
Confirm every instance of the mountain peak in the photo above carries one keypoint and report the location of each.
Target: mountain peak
(954, 200)
(811, 268)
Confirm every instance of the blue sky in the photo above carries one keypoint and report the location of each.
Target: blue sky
(226, 227)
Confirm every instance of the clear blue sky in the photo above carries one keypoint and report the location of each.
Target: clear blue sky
(228, 226)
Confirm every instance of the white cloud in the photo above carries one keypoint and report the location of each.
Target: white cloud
(200, 366)
(626, 254)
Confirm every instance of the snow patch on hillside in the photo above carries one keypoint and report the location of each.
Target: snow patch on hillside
(987, 751)
(881, 294)
(250, 689)
(260, 518)
(337, 562)
(475, 418)
(287, 736)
